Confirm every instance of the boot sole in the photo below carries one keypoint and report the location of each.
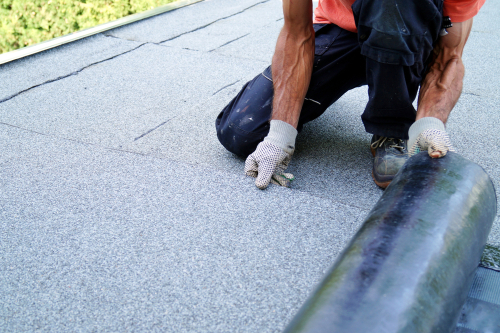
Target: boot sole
(381, 184)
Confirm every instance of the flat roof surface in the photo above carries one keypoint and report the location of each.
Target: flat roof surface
(121, 211)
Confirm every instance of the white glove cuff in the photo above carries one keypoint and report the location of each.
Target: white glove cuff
(421, 125)
(282, 135)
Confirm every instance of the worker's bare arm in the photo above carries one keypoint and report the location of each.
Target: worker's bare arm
(442, 85)
(293, 61)
(439, 93)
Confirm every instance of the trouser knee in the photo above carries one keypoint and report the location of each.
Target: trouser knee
(244, 122)
(241, 144)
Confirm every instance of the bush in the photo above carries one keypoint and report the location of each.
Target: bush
(24, 23)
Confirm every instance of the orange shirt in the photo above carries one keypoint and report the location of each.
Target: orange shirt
(339, 12)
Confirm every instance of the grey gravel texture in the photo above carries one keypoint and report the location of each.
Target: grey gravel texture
(121, 211)
(475, 82)
(94, 239)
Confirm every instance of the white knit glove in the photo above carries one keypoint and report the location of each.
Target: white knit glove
(272, 156)
(429, 134)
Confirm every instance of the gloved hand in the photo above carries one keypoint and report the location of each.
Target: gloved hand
(272, 156)
(429, 134)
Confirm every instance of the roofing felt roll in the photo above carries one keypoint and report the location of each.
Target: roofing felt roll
(410, 266)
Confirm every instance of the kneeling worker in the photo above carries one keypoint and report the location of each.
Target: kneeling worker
(394, 47)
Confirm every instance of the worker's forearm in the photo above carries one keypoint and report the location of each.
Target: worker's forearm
(442, 85)
(291, 69)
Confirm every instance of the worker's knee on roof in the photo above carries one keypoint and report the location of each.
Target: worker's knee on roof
(237, 140)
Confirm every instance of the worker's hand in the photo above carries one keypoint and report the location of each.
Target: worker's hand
(429, 134)
(272, 156)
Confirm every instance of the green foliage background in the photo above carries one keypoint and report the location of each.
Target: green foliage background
(24, 23)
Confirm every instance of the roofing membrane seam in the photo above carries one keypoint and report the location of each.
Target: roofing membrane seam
(67, 75)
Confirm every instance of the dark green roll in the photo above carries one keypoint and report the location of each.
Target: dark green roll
(410, 266)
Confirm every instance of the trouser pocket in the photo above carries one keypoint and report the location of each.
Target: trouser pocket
(397, 32)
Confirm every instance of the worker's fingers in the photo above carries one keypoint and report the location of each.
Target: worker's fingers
(282, 179)
(251, 166)
(436, 153)
(267, 164)
(264, 176)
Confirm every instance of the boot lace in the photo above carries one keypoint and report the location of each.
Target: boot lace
(393, 143)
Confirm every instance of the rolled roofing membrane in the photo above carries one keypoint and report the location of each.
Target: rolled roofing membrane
(411, 264)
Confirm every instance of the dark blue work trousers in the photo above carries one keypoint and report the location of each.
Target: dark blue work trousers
(389, 54)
